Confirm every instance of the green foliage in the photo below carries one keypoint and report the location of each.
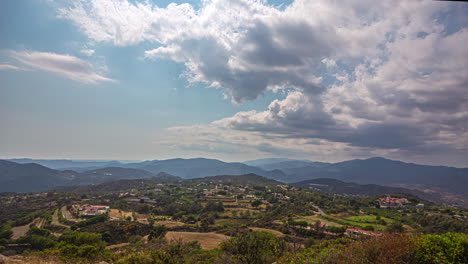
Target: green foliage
(30, 217)
(449, 248)
(395, 227)
(446, 248)
(114, 232)
(158, 231)
(81, 245)
(172, 253)
(336, 229)
(143, 209)
(213, 206)
(34, 230)
(301, 223)
(5, 231)
(430, 224)
(37, 242)
(93, 220)
(255, 247)
(257, 203)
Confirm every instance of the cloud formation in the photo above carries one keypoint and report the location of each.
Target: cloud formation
(361, 76)
(68, 66)
(10, 67)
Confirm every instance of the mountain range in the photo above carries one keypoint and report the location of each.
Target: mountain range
(36, 176)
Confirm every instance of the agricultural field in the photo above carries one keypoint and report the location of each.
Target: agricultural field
(209, 240)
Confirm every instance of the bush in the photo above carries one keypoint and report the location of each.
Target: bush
(368, 228)
(93, 220)
(37, 242)
(157, 232)
(395, 227)
(34, 230)
(80, 245)
(5, 231)
(446, 248)
(254, 247)
(421, 249)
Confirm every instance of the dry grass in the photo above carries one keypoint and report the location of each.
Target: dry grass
(115, 213)
(273, 231)
(207, 240)
(19, 231)
(31, 260)
(314, 218)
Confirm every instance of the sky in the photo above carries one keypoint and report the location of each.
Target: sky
(234, 80)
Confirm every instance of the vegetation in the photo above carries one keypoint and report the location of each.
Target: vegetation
(255, 247)
(230, 221)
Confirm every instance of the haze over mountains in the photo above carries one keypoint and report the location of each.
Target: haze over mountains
(40, 175)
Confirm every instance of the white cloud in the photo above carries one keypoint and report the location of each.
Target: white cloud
(367, 76)
(10, 67)
(68, 66)
(87, 52)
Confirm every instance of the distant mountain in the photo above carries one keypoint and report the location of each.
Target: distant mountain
(285, 166)
(28, 177)
(261, 162)
(387, 172)
(64, 164)
(200, 167)
(347, 188)
(31, 177)
(120, 185)
(166, 177)
(110, 174)
(251, 178)
(451, 182)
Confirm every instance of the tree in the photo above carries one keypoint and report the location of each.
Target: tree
(257, 203)
(395, 227)
(158, 231)
(212, 206)
(254, 247)
(81, 245)
(5, 231)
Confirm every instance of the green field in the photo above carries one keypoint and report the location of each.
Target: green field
(356, 221)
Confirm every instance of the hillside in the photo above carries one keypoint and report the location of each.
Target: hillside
(238, 179)
(121, 185)
(200, 167)
(28, 177)
(348, 188)
(64, 164)
(387, 172)
(110, 174)
(31, 177)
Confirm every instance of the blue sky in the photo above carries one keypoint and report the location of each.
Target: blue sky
(234, 80)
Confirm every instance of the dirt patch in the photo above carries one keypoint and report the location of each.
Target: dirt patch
(209, 240)
(275, 232)
(314, 218)
(55, 220)
(169, 223)
(119, 214)
(19, 231)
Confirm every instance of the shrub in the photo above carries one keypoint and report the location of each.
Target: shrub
(37, 242)
(254, 247)
(446, 248)
(157, 232)
(5, 231)
(81, 245)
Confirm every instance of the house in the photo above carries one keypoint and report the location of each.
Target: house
(389, 201)
(94, 210)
